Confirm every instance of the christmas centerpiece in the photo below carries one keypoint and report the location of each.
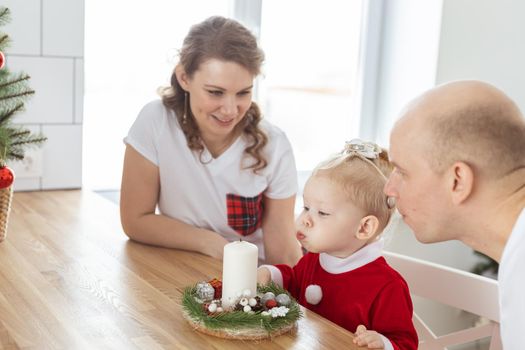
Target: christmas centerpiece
(236, 308)
(14, 139)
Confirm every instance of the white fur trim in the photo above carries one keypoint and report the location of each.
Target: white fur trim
(313, 294)
(386, 342)
(277, 276)
(363, 256)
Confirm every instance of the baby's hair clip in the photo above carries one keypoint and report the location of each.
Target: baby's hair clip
(367, 150)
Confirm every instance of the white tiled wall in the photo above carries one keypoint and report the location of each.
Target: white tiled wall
(24, 28)
(52, 80)
(48, 43)
(62, 159)
(63, 28)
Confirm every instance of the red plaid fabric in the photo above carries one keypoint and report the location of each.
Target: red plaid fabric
(244, 213)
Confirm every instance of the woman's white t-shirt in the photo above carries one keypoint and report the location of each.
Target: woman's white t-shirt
(218, 194)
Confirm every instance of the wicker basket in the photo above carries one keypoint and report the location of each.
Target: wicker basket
(241, 333)
(6, 194)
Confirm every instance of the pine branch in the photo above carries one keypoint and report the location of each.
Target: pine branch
(14, 155)
(29, 141)
(4, 15)
(10, 112)
(16, 146)
(20, 94)
(13, 90)
(15, 133)
(4, 73)
(4, 41)
(5, 140)
(20, 79)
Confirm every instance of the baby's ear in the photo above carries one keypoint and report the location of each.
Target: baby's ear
(367, 227)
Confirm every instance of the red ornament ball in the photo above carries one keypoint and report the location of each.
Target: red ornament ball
(271, 304)
(7, 176)
(2, 60)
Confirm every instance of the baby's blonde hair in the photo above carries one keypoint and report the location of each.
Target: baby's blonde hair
(362, 180)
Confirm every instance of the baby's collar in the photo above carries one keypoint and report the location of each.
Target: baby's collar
(363, 256)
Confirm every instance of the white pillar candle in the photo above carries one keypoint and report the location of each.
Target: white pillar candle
(239, 272)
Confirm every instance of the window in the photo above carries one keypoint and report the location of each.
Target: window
(310, 75)
(130, 51)
(308, 87)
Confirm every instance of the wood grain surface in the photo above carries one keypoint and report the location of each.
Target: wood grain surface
(71, 279)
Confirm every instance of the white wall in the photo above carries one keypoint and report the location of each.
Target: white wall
(409, 52)
(48, 44)
(484, 40)
(408, 57)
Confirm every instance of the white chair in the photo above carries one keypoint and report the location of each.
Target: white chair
(456, 288)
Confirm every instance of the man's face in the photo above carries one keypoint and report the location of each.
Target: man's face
(420, 193)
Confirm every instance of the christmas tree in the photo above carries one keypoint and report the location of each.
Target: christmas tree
(14, 139)
(14, 91)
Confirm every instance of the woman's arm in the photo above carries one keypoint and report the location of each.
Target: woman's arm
(138, 199)
(280, 244)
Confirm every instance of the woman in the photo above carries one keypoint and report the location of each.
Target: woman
(205, 157)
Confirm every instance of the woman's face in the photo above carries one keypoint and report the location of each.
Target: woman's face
(220, 94)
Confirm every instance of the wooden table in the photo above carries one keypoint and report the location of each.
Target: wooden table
(71, 279)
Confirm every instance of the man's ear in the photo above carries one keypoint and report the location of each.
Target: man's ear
(460, 182)
(182, 77)
(367, 227)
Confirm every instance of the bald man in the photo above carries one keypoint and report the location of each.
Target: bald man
(459, 157)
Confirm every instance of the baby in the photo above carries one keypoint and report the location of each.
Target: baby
(343, 277)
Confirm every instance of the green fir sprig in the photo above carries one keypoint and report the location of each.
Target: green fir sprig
(5, 16)
(240, 319)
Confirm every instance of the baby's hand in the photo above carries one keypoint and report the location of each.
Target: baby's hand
(263, 275)
(371, 339)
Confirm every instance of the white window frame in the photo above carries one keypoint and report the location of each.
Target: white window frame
(249, 13)
(368, 69)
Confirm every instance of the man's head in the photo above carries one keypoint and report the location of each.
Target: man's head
(447, 147)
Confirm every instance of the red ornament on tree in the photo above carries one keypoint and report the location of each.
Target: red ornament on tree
(7, 176)
(2, 60)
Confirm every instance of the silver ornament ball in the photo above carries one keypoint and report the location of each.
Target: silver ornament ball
(267, 296)
(283, 299)
(205, 291)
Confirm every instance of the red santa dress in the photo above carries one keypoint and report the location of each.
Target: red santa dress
(360, 289)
